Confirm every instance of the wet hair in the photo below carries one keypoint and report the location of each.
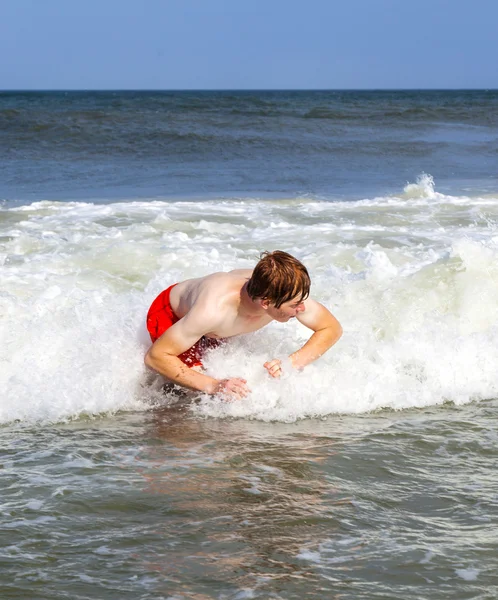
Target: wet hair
(279, 277)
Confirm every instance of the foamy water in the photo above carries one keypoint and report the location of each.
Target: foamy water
(413, 279)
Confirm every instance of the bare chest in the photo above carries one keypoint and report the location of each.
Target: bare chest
(238, 325)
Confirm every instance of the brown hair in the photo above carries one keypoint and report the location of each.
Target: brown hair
(279, 277)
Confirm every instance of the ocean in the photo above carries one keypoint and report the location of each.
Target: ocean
(371, 473)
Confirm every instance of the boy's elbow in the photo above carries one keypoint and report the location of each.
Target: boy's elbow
(148, 359)
(335, 332)
(152, 358)
(156, 359)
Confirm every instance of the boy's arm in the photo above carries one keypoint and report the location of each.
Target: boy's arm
(326, 332)
(162, 357)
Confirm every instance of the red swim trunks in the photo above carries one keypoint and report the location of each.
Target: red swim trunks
(161, 317)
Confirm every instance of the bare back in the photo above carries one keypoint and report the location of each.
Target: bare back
(214, 305)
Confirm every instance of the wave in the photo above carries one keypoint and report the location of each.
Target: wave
(332, 114)
(403, 115)
(423, 188)
(412, 278)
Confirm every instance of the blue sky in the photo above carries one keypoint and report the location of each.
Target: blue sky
(241, 44)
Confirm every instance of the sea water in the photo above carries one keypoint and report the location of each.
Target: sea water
(371, 473)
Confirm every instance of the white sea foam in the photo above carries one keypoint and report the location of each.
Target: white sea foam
(468, 574)
(413, 280)
(423, 188)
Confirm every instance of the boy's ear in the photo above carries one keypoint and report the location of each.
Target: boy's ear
(264, 303)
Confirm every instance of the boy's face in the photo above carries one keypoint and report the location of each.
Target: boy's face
(288, 310)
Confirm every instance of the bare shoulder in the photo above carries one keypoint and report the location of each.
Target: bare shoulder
(224, 283)
(246, 273)
(207, 296)
(221, 291)
(316, 316)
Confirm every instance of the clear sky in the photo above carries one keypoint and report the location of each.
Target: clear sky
(248, 44)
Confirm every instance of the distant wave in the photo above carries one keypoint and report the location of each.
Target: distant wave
(326, 113)
(99, 144)
(402, 114)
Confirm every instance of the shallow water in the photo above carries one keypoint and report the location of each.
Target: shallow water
(164, 504)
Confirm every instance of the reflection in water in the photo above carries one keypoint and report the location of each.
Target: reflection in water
(243, 499)
(163, 505)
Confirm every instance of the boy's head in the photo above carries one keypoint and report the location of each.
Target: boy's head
(279, 277)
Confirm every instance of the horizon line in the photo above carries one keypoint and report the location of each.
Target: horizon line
(379, 89)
